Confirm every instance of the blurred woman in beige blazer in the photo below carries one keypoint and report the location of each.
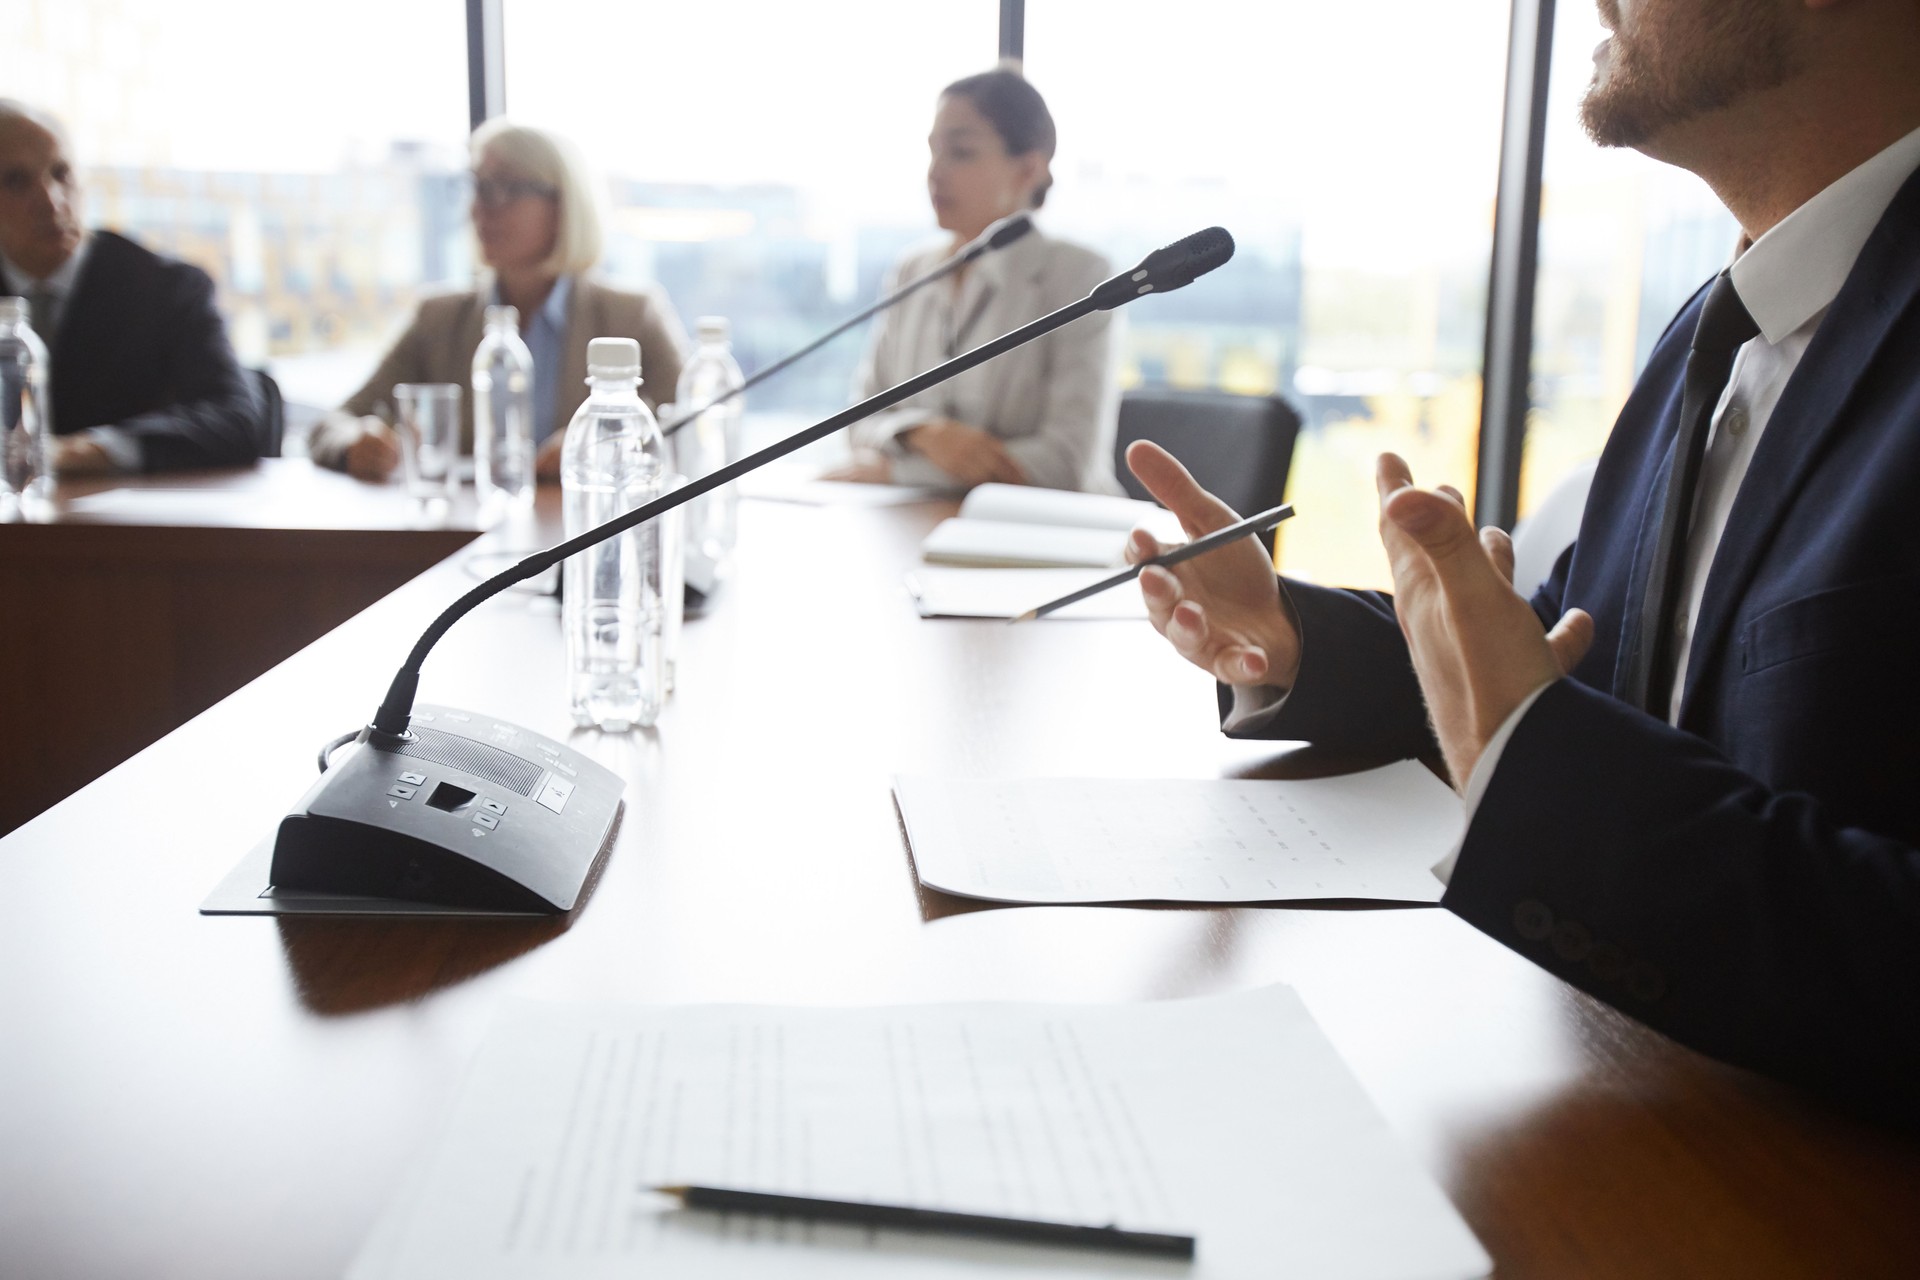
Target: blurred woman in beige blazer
(1042, 414)
(538, 226)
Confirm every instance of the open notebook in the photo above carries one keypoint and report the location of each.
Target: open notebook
(1011, 526)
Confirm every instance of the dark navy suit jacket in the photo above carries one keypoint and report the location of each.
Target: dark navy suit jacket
(141, 347)
(1748, 882)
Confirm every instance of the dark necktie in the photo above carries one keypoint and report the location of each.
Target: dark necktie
(40, 313)
(1724, 327)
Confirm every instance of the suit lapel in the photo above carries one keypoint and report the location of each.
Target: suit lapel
(96, 305)
(1010, 300)
(463, 339)
(585, 321)
(1813, 407)
(1646, 542)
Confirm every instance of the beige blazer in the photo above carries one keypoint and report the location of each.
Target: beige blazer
(1054, 401)
(439, 345)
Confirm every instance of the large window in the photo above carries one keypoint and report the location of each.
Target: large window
(767, 159)
(307, 160)
(1352, 150)
(1624, 240)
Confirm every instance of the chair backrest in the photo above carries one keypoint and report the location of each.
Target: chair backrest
(1239, 447)
(272, 426)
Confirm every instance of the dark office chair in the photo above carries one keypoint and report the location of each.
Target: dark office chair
(272, 425)
(1239, 447)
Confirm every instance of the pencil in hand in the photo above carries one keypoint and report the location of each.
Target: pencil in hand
(1199, 546)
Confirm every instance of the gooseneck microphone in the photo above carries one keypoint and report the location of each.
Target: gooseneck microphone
(1162, 271)
(997, 236)
(447, 807)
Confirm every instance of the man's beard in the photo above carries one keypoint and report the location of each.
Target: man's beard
(1684, 59)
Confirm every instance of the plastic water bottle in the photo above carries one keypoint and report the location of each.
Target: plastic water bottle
(615, 612)
(25, 476)
(503, 416)
(705, 445)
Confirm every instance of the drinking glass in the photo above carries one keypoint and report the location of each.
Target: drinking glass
(429, 431)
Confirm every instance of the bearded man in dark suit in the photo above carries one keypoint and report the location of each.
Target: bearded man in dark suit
(1690, 761)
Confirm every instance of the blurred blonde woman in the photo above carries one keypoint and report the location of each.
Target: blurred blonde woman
(538, 225)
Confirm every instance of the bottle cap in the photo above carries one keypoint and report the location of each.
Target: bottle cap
(499, 316)
(13, 310)
(613, 358)
(713, 329)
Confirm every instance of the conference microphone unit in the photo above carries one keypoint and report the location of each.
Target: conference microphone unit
(450, 807)
(998, 236)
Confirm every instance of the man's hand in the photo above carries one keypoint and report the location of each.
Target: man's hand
(869, 466)
(79, 456)
(968, 454)
(1223, 611)
(1478, 648)
(375, 453)
(546, 463)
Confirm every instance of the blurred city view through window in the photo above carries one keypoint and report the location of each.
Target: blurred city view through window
(308, 162)
(765, 162)
(1624, 241)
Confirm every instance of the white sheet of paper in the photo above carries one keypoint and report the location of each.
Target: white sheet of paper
(1229, 1117)
(1372, 835)
(947, 592)
(994, 544)
(176, 506)
(788, 486)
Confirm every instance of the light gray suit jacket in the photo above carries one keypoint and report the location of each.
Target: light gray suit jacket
(439, 345)
(1054, 401)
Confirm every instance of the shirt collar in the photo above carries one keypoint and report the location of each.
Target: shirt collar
(553, 311)
(1789, 275)
(60, 283)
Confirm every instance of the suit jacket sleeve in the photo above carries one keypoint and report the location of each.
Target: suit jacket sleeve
(214, 418)
(1356, 690)
(1637, 863)
(405, 361)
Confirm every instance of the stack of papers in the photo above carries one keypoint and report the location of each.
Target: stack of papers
(1368, 836)
(1019, 526)
(1228, 1118)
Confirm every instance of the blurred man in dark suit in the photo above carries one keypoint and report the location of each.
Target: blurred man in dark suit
(141, 375)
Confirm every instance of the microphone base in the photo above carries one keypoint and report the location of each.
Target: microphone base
(467, 811)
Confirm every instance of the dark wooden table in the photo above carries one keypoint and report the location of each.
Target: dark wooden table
(235, 1097)
(128, 620)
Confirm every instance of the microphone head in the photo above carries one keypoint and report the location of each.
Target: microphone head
(997, 236)
(1007, 230)
(1164, 270)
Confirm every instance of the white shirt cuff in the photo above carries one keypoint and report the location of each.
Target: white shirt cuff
(1254, 708)
(121, 448)
(1482, 778)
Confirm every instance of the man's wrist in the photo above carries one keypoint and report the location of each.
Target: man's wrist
(1481, 778)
